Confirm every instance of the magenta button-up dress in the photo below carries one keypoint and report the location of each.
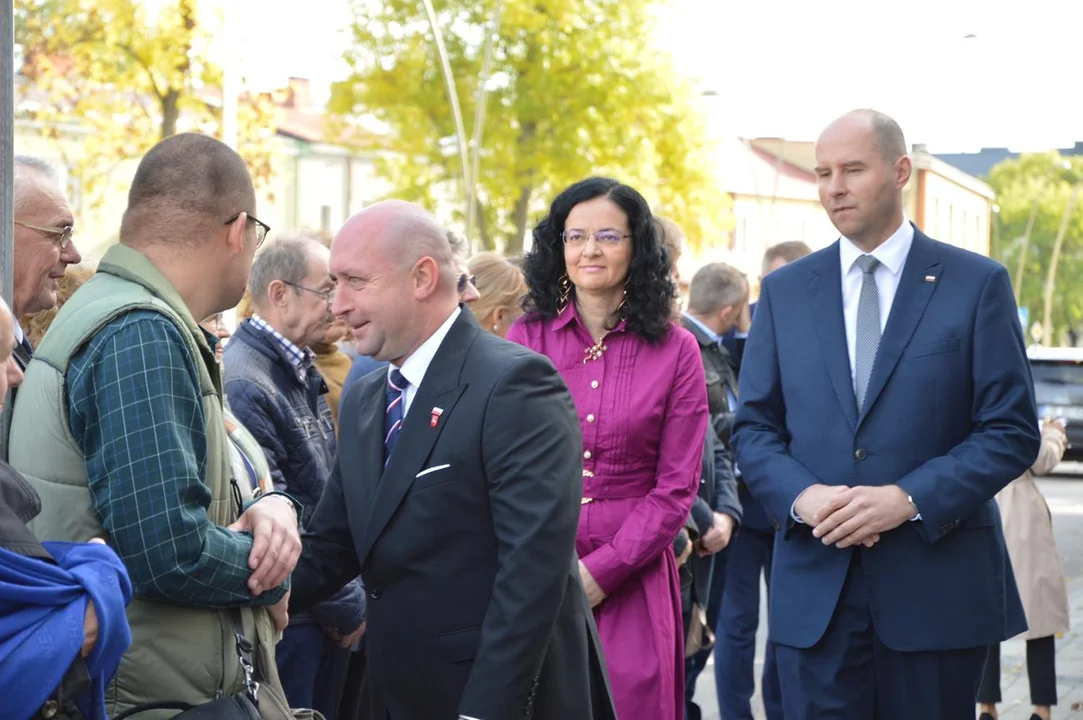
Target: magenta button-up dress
(643, 411)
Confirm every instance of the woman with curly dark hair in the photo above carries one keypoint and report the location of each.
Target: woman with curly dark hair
(600, 307)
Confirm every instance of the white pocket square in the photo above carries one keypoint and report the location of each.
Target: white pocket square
(437, 468)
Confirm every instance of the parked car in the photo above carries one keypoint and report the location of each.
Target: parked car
(1058, 387)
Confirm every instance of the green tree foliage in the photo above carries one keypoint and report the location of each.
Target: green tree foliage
(1019, 183)
(576, 90)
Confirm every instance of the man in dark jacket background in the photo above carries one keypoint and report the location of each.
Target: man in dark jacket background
(716, 298)
(276, 392)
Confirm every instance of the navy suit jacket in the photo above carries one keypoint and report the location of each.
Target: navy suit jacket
(950, 418)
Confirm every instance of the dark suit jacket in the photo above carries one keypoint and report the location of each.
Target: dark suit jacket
(735, 345)
(466, 541)
(950, 419)
(718, 485)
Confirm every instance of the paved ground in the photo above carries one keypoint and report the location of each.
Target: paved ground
(1064, 493)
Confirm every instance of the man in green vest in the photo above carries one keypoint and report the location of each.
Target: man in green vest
(119, 427)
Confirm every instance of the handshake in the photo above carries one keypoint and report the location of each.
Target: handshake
(845, 516)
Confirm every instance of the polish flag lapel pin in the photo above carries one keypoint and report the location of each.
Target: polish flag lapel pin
(436, 413)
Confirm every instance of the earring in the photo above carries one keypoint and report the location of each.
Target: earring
(496, 326)
(565, 293)
(622, 309)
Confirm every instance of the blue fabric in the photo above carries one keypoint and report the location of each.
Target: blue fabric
(949, 418)
(42, 610)
(738, 618)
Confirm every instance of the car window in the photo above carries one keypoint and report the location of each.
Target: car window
(1057, 372)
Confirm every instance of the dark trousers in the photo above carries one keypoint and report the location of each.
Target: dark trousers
(354, 703)
(738, 619)
(1041, 671)
(309, 665)
(694, 665)
(850, 674)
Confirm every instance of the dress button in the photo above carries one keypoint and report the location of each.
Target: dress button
(594, 384)
(860, 454)
(590, 418)
(375, 593)
(50, 709)
(586, 454)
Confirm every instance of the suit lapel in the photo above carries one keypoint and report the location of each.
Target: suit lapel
(441, 388)
(369, 437)
(907, 309)
(825, 293)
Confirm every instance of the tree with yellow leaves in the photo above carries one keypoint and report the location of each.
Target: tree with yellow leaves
(576, 90)
(121, 75)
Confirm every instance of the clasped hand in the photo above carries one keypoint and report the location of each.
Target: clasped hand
(846, 516)
(276, 541)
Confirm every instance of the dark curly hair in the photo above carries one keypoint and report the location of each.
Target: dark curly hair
(650, 288)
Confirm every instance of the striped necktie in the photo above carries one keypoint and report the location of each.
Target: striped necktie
(396, 406)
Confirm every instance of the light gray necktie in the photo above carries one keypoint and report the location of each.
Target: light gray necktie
(868, 328)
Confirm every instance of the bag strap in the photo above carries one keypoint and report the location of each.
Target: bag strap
(245, 649)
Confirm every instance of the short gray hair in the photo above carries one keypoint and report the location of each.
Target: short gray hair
(457, 243)
(25, 167)
(285, 259)
(714, 286)
(30, 162)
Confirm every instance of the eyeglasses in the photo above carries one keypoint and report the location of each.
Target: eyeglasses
(262, 228)
(327, 295)
(465, 278)
(605, 238)
(63, 233)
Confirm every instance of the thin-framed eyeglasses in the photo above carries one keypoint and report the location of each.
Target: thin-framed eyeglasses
(327, 295)
(467, 278)
(63, 234)
(262, 228)
(605, 238)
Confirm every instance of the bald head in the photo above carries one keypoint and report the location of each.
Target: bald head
(186, 183)
(886, 133)
(401, 232)
(395, 276)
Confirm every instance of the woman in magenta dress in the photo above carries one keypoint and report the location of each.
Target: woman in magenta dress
(600, 307)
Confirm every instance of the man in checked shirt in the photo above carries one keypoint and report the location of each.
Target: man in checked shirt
(121, 432)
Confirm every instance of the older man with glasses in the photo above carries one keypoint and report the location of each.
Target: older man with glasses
(43, 250)
(276, 392)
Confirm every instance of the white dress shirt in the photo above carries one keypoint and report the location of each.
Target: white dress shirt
(415, 366)
(18, 333)
(892, 256)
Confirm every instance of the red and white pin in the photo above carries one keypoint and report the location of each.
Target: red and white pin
(436, 413)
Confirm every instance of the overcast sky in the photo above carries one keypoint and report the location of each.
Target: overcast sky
(787, 67)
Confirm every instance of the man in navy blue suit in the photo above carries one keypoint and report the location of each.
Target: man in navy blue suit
(886, 398)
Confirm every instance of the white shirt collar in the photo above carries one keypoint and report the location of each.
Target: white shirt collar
(415, 366)
(891, 253)
(18, 333)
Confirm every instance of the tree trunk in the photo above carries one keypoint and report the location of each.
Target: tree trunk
(170, 113)
(1051, 277)
(522, 206)
(526, 189)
